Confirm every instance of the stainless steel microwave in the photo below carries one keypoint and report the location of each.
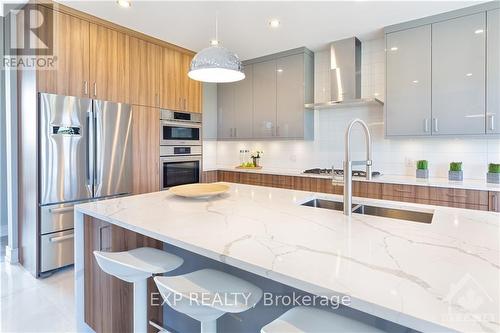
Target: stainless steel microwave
(180, 128)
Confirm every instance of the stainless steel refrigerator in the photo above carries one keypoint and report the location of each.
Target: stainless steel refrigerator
(85, 153)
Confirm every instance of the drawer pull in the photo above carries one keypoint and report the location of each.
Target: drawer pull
(402, 191)
(61, 210)
(61, 238)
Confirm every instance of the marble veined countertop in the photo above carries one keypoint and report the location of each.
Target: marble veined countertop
(442, 276)
(470, 184)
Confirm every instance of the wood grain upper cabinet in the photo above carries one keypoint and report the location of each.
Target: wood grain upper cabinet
(264, 98)
(177, 90)
(493, 72)
(71, 47)
(109, 64)
(290, 110)
(144, 60)
(192, 88)
(145, 149)
(458, 75)
(408, 97)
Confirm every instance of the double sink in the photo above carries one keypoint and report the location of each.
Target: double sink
(400, 214)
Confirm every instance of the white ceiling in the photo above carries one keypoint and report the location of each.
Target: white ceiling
(243, 26)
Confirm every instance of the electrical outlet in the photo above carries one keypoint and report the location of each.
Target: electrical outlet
(409, 162)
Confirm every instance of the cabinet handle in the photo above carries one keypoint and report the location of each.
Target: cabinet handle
(85, 88)
(277, 130)
(456, 195)
(231, 132)
(494, 203)
(426, 125)
(95, 89)
(402, 191)
(491, 119)
(436, 129)
(235, 135)
(185, 104)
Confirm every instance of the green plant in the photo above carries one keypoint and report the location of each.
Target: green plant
(456, 166)
(422, 165)
(494, 168)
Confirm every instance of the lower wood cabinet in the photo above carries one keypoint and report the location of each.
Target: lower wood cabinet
(448, 197)
(108, 300)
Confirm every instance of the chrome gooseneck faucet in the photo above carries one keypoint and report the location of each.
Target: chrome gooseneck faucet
(348, 163)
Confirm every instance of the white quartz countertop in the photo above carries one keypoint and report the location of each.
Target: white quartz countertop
(430, 277)
(470, 184)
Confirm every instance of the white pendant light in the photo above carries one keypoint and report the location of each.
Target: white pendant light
(216, 64)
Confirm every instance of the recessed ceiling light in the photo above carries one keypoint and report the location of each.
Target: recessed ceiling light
(279, 70)
(214, 42)
(415, 81)
(274, 23)
(468, 74)
(479, 31)
(124, 3)
(394, 48)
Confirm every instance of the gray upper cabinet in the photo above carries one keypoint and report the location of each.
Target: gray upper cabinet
(290, 96)
(235, 107)
(493, 72)
(264, 99)
(458, 75)
(408, 99)
(269, 102)
(243, 105)
(225, 110)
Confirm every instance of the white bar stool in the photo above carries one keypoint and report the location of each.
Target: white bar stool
(207, 294)
(304, 319)
(136, 266)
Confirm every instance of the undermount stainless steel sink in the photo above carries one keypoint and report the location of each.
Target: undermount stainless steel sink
(400, 214)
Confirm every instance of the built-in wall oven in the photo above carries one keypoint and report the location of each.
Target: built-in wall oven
(180, 148)
(180, 128)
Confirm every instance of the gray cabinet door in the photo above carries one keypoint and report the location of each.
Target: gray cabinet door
(243, 105)
(458, 75)
(225, 112)
(493, 72)
(264, 99)
(408, 97)
(290, 96)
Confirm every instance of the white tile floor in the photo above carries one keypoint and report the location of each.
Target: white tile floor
(36, 305)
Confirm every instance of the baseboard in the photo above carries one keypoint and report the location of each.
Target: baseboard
(4, 230)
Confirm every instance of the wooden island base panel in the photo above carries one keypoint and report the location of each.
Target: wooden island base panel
(422, 194)
(108, 300)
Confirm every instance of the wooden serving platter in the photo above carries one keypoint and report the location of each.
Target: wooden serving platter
(199, 190)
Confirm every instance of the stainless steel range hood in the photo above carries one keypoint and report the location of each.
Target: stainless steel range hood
(345, 77)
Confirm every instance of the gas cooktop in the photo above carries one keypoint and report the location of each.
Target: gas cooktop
(339, 172)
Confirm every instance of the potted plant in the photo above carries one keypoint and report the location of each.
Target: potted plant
(456, 172)
(493, 175)
(422, 169)
(256, 155)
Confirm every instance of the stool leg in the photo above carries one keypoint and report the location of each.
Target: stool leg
(140, 306)
(209, 326)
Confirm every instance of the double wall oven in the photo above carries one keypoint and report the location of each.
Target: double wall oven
(180, 148)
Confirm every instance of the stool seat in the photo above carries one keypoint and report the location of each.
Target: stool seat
(303, 319)
(137, 264)
(207, 294)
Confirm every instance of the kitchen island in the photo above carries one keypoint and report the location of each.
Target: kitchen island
(442, 276)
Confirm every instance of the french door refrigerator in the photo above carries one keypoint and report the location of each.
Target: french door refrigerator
(84, 154)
